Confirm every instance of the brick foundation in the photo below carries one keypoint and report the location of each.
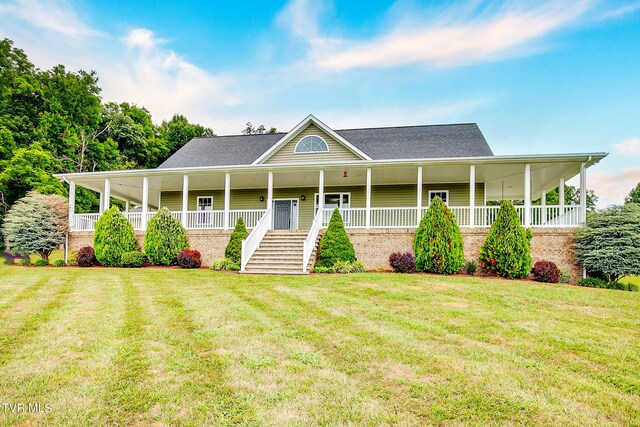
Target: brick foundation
(374, 246)
(553, 244)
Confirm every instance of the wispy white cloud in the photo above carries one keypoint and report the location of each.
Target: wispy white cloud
(460, 35)
(302, 17)
(621, 11)
(612, 188)
(56, 16)
(628, 147)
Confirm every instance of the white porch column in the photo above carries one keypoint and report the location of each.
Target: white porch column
(126, 206)
(145, 202)
(72, 204)
(419, 197)
(583, 193)
(527, 195)
(472, 196)
(227, 199)
(321, 196)
(107, 194)
(367, 222)
(543, 203)
(101, 203)
(270, 191)
(185, 199)
(561, 195)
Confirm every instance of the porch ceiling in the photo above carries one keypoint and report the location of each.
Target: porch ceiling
(503, 178)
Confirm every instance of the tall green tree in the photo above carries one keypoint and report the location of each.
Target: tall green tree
(178, 131)
(251, 130)
(634, 195)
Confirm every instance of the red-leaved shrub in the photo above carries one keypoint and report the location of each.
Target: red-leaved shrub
(402, 262)
(546, 271)
(189, 259)
(86, 257)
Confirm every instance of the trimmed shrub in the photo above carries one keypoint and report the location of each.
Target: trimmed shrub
(86, 257)
(346, 267)
(24, 262)
(233, 251)
(594, 282)
(133, 259)
(470, 267)
(233, 267)
(113, 236)
(189, 259)
(564, 276)
(358, 267)
(165, 238)
(335, 244)
(402, 262)
(507, 249)
(221, 264)
(324, 270)
(72, 258)
(41, 263)
(546, 271)
(438, 243)
(59, 263)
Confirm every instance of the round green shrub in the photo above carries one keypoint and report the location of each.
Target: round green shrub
(165, 238)
(233, 251)
(113, 236)
(507, 249)
(220, 264)
(438, 243)
(72, 257)
(24, 262)
(233, 267)
(41, 263)
(325, 270)
(335, 244)
(133, 259)
(59, 263)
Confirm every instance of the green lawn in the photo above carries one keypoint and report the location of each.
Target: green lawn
(177, 347)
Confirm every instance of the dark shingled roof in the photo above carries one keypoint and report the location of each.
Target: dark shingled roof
(404, 142)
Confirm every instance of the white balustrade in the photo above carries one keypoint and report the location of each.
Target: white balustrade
(85, 222)
(352, 217)
(393, 217)
(252, 242)
(249, 216)
(199, 220)
(310, 241)
(135, 218)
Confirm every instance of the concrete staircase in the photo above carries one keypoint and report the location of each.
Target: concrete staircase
(280, 252)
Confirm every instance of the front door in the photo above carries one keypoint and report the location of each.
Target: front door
(282, 214)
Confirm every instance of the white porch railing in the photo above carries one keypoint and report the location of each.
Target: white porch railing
(251, 243)
(404, 217)
(310, 241)
(249, 216)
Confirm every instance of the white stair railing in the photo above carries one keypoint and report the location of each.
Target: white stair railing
(252, 242)
(310, 241)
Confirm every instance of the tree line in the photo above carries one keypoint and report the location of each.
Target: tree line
(55, 120)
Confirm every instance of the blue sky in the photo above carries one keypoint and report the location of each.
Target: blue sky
(538, 77)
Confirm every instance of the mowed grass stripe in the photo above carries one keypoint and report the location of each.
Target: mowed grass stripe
(66, 364)
(24, 327)
(204, 394)
(127, 395)
(16, 292)
(326, 345)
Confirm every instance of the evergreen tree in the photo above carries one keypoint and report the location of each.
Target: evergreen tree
(335, 244)
(36, 223)
(609, 242)
(233, 251)
(113, 236)
(438, 243)
(165, 238)
(507, 249)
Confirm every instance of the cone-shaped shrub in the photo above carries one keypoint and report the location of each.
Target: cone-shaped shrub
(165, 238)
(114, 236)
(507, 250)
(335, 244)
(438, 243)
(233, 251)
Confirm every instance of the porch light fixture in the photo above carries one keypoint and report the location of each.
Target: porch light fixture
(344, 174)
(302, 197)
(262, 198)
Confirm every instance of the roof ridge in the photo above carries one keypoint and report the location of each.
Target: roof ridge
(410, 126)
(240, 134)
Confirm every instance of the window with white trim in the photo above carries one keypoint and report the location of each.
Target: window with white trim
(334, 200)
(204, 203)
(311, 144)
(443, 194)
